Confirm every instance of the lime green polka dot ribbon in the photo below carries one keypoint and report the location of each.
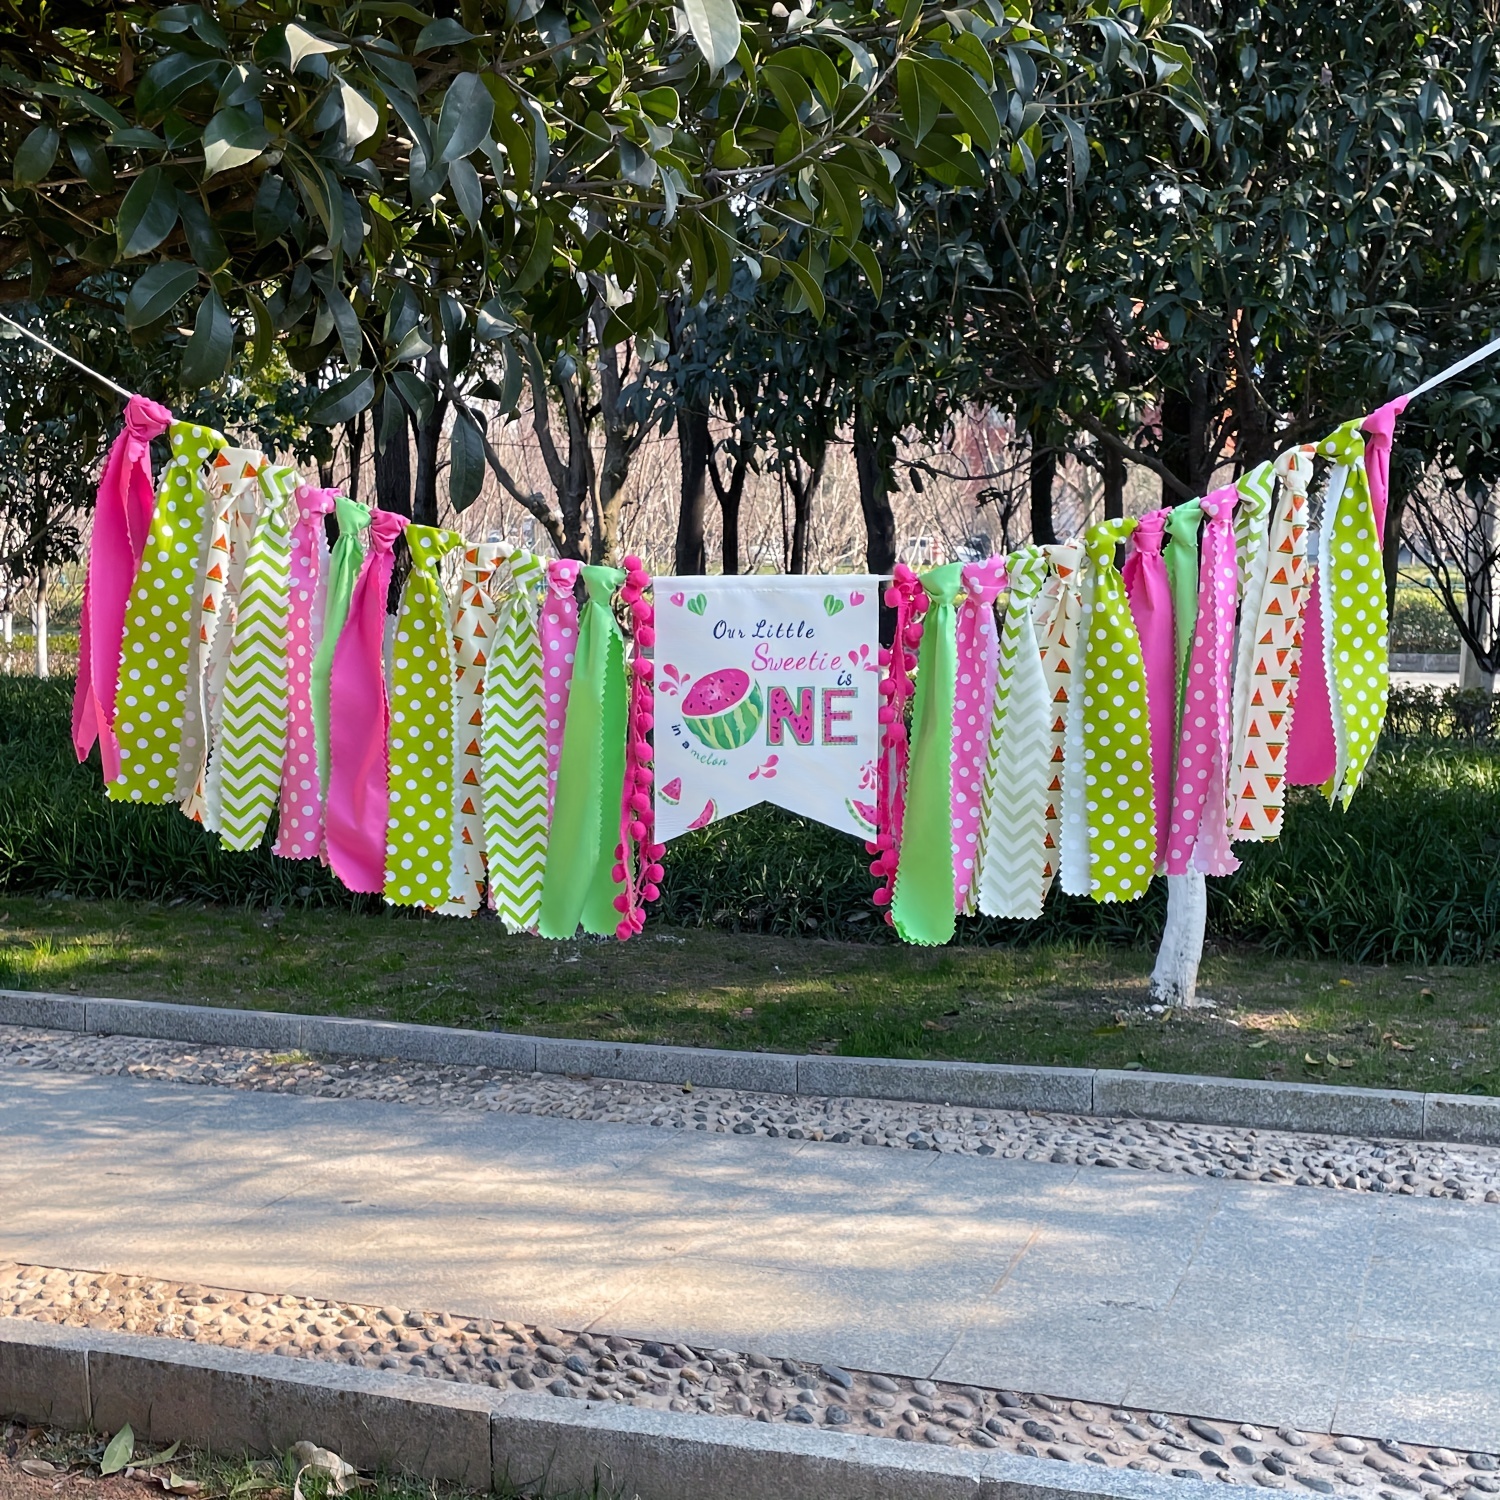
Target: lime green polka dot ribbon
(1118, 797)
(419, 844)
(578, 885)
(1355, 640)
(154, 648)
(252, 742)
(922, 903)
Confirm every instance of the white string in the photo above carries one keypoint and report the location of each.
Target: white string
(61, 354)
(1452, 370)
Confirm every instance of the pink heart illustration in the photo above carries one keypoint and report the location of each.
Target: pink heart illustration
(678, 599)
(856, 598)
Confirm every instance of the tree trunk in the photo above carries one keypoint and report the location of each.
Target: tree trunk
(729, 496)
(43, 665)
(393, 463)
(354, 433)
(424, 508)
(694, 451)
(1043, 475)
(874, 470)
(1176, 441)
(1390, 551)
(803, 476)
(1114, 483)
(1174, 980)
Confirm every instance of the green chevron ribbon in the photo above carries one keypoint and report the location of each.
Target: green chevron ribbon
(1014, 820)
(922, 902)
(1119, 801)
(418, 838)
(1355, 631)
(344, 563)
(1181, 553)
(514, 775)
(578, 884)
(252, 740)
(159, 622)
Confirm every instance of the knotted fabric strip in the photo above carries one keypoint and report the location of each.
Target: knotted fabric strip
(1199, 837)
(252, 746)
(973, 711)
(1117, 767)
(158, 625)
(578, 884)
(904, 598)
(559, 626)
(1380, 430)
(1252, 559)
(345, 563)
(235, 502)
(359, 721)
(299, 834)
(1015, 864)
(1150, 594)
(1059, 618)
(1074, 874)
(122, 524)
(419, 832)
(1274, 624)
(1183, 525)
(1355, 629)
(922, 902)
(473, 628)
(514, 776)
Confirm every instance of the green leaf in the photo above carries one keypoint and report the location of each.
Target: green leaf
(464, 123)
(234, 136)
(341, 310)
(134, 138)
(206, 357)
(263, 344)
(120, 1451)
(870, 265)
(148, 214)
(157, 290)
(345, 398)
(92, 160)
(301, 43)
(466, 461)
(539, 258)
(963, 94)
(444, 33)
(808, 286)
(361, 118)
(467, 189)
(35, 156)
(920, 102)
(414, 391)
(715, 25)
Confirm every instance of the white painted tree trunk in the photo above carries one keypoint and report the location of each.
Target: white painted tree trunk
(1174, 980)
(7, 627)
(42, 663)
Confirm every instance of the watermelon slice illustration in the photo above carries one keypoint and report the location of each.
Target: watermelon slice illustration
(706, 816)
(724, 708)
(862, 813)
(672, 791)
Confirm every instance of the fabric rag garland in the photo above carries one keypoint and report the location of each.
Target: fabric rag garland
(344, 565)
(1059, 618)
(1149, 592)
(977, 645)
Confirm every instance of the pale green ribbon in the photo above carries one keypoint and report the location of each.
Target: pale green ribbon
(579, 883)
(1181, 553)
(343, 572)
(922, 903)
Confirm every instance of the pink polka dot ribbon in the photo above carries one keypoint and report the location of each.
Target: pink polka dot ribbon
(973, 706)
(1199, 836)
(559, 626)
(300, 832)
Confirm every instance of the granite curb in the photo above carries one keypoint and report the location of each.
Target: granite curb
(231, 1401)
(1320, 1109)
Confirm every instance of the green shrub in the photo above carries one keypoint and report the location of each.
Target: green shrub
(1410, 873)
(1420, 623)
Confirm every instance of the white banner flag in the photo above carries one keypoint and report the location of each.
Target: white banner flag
(767, 690)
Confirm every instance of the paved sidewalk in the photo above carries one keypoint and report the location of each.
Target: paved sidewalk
(1240, 1301)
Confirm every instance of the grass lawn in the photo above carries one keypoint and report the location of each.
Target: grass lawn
(1428, 1028)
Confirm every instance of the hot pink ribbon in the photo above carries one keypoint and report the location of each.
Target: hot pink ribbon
(559, 627)
(973, 707)
(122, 522)
(1380, 431)
(1199, 835)
(299, 834)
(1150, 595)
(359, 721)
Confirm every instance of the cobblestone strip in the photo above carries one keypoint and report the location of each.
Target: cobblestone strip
(750, 1384)
(1466, 1173)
